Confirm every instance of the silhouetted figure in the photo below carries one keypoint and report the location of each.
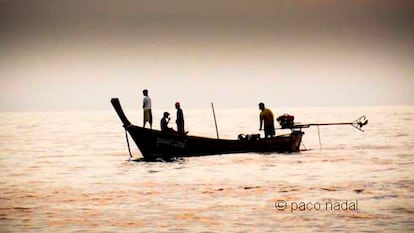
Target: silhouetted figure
(267, 119)
(180, 119)
(164, 123)
(147, 108)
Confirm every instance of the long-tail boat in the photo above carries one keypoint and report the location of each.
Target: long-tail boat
(155, 144)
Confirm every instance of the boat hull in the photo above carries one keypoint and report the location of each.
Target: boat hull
(155, 144)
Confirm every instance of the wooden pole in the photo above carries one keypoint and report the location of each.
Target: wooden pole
(215, 121)
(319, 135)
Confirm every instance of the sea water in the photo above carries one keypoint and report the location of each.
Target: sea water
(69, 172)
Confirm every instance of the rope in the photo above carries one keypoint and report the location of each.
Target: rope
(129, 148)
(319, 135)
(303, 144)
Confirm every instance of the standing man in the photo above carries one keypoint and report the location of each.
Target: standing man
(266, 117)
(180, 119)
(147, 108)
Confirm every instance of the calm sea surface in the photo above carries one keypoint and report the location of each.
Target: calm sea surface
(68, 172)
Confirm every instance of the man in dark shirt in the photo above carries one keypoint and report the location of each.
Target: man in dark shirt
(180, 119)
(164, 123)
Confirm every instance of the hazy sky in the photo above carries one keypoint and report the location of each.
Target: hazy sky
(77, 54)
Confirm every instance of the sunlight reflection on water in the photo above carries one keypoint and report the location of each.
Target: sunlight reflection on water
(68, 171)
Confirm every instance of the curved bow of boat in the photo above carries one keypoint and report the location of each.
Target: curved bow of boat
(118, 108)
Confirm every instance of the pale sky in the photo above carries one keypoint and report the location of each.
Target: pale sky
(77, 54)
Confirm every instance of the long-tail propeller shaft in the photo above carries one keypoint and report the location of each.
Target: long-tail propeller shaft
(358, 124)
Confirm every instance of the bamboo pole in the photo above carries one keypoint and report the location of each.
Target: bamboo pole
(215, 121)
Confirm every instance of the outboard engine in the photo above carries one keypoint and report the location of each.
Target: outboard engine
(286, 121)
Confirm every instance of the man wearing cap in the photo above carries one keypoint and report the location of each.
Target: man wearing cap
(180, 118)
(267, 119)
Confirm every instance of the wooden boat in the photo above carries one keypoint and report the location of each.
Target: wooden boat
(155, 144)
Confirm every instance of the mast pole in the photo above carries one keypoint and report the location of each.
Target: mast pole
(215, 121)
